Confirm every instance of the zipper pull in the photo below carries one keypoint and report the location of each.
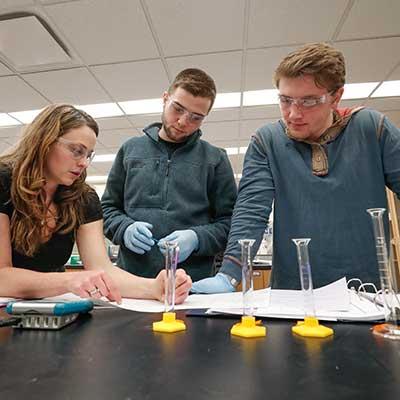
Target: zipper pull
(168, 163)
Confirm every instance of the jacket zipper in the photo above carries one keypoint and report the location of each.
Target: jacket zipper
(168, 164)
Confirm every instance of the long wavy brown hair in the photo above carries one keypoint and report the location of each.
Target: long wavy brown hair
(27, 161)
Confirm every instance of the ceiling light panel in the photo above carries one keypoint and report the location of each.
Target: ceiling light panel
(6, 120)
(147, 106)
(103, 110)
(260, 97)
(358, 90)
(26, 117)
(388, 89)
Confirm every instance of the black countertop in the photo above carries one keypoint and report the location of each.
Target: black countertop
(114, 354)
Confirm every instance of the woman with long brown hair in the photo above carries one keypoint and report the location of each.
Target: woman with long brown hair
(45, 205)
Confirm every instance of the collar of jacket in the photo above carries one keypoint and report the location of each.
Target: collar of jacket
(152, 132)
(319, 162)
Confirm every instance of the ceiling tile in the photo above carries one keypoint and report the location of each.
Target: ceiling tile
(291, 21)
(395, 75)
(16, 95)
(103, 168)
(112, 33)
(223, 114)
(6, 4)
(75, 86)
(190, 27)
(133, 81)
(258, 112)
(248, 128)
(261, 65)
(394, 116)
(27, 44)
(352, 103)
(361, 66)
(3, 145)
(224, 68)
(5, 70)
(141, 121)
(11, 131)
(228, 130)
(371, 18)
(384, 104)
(115, 138)
(113, 123)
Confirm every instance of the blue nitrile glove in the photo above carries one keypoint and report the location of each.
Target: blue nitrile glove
(217, 284)
(187, 241)
(138, 237)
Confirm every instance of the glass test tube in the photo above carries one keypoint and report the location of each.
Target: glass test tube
(305, 275)
(385, 273)
(247, 275)
(171, 261)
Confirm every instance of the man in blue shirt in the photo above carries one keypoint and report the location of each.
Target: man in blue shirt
(322, 167)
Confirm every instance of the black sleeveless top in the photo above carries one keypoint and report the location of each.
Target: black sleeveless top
(53, 254)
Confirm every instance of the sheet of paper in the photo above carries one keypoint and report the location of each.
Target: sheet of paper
(332, 297)
(332, 302)
(359, 310)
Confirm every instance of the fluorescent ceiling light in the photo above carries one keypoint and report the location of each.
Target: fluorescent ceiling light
(102, 110)
(26, 117)
(238, 176)
(242, 150)
(388, 89)
(103, 158)
(96, 178)
(260, 97)
(148, 106)
(231, 150)
(227, 100)
(358, 90)
(6, 120)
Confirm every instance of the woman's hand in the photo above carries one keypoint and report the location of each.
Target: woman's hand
(93, 284)
(183, 283)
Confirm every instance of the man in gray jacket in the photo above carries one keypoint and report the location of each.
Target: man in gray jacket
(169, 185)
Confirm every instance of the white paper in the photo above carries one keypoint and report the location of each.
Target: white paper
(332, 302)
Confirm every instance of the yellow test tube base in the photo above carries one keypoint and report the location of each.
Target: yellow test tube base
(310, 327)
(249, 328)
(169, 324)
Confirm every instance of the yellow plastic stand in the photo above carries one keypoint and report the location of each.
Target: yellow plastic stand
(169, 324)
(249, 328)
(310, 327)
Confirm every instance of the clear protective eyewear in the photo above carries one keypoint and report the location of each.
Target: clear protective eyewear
(78, 151)
(302, 102)
(178, 109)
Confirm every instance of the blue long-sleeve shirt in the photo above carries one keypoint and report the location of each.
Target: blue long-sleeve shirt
(330, 209)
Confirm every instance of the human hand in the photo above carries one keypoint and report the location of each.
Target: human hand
(187, 242)
(183, 283)
(138, 237)
(217, 284)
(93, 284)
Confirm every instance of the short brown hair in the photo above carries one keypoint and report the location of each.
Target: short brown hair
(320, 60)
(196, 82)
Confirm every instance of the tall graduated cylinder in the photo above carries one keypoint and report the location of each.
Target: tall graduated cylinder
(305, 275)
(171, 262)
(390, 300)
(247, 276)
